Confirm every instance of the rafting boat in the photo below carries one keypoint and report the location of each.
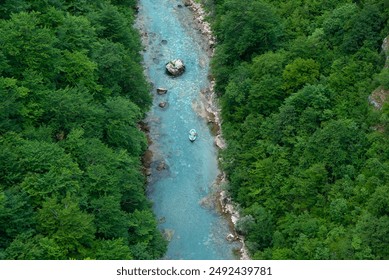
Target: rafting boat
(192, 135)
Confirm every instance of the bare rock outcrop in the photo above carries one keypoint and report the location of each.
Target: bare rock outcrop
(175, 67)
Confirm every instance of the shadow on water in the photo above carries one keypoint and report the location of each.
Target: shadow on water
(182, 172)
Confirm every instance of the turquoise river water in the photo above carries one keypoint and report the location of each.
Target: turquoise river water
(181, 191)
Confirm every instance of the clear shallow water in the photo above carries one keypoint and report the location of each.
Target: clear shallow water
(179, 191)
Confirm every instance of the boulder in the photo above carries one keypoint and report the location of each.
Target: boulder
(230, 237)
(224, 200)
(168, 234)
(161, 90)
(161, 166)
(220, 143)
(175, 67)
(162, 104)
(385, 48)
(385, 45)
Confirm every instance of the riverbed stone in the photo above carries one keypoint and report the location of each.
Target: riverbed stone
(220, 143)
(161, 165)
(230, 237)
(175, 67)
(162, 104)
(161, 90)
(168, 234)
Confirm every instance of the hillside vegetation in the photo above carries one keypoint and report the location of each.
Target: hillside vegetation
(308, 155)
(71, 94)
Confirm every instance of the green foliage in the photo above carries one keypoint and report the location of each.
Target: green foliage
(243, 30)
(121, 130)
(115, 249)
(383, 78)
(142, 225)
(26, 44)
(307, 156)
(115, 25)
(77, 70)
(72, 91)
(74, 32)
(28, 246)
(350, 27)
(336, 22)
(298, 73)
(120, 73)
(72, 229)
(9, 7)
(247, 28)
(12, 109)
(70, 108)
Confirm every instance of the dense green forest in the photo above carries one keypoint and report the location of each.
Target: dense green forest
(72, 91)
(308, 155)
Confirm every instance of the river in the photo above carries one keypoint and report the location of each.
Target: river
(182, 173)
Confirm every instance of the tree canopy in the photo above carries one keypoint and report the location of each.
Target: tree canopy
(72, 92)
(306, 155)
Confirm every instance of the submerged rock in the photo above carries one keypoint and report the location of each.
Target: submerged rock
(168, 234)
(162, 104)
(175, 67)
(231, 238)
(207, 202)
(161, 165)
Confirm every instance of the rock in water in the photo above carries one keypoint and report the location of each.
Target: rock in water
(230, 237)
(162, 104)
(161, 166)
(175, 67)
(161, 90)
(168, 234)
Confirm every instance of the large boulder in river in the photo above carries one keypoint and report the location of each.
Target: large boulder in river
(175, 67)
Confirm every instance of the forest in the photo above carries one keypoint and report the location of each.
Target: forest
(72, 94)
(302, 85)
